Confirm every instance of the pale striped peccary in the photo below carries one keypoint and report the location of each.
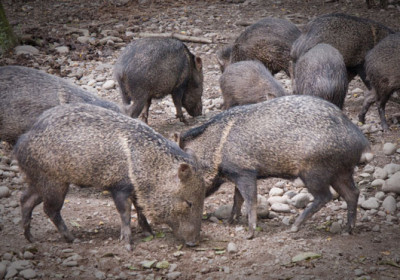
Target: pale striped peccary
(25, 93)
(155, 67)
(288, 137)
(352, 36)
(382, 65)
(321, 72)
(90, 146)
(247, 82)
(269, 40)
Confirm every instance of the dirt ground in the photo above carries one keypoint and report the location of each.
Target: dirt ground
(369, 253)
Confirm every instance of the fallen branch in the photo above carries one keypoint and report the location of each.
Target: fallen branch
(179, 36)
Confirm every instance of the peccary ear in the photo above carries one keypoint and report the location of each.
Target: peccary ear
(177, 138)
(184, 172)
(198, 63)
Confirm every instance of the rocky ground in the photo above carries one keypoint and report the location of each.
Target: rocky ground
(80, 41)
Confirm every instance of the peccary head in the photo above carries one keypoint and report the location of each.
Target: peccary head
(187, 205)
(191, 100)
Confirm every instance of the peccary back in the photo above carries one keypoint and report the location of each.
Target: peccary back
(382, 65)
(352, 36)
(155, 67)
(268, 40)
(321, 72)
(290, 136)
(88, 146)
(247, 82)
(25, 93)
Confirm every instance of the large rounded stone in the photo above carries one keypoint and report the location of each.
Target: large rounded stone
(392, 184)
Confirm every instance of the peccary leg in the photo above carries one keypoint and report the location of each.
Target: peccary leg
(247, 186)
(370, 98)
(121, 195)
(237, 206)
(138, 106)
(177, 99)
(143, 223)
(145, 114)
(53, 200)
(344, 185)
(29, 200)
(384, 97)
(319, 188)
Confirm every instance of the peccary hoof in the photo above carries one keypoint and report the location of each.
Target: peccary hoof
(191, 244)
(128, 247)
(294, 229)
(250, 235)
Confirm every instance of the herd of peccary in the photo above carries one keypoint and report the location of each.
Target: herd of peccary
(65, 135)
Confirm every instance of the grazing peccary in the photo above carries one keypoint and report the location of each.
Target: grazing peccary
(269, 40)
(321, 72)
(25, 93)
(352, 36)
(88, 146)
(247, 82)
(288, 137)
(382, 65)
(155, 67)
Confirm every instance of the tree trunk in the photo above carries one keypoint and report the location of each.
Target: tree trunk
(7, 38)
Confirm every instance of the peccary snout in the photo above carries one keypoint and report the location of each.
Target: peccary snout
(90, 146)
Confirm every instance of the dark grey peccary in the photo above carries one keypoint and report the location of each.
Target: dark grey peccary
(269, 40)
(155, 67)
(88, 146)
(25, 93)
(321, 72)
(382, 65)
(247, 82)
(352, 36)
(288, 137)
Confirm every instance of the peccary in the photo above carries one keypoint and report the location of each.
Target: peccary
(88, 146)
(288, 137)
(155, 67)
(382, 65)
(247, 82)
(269, 40)
(321, 72)
(352, 36)
(25, 93)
